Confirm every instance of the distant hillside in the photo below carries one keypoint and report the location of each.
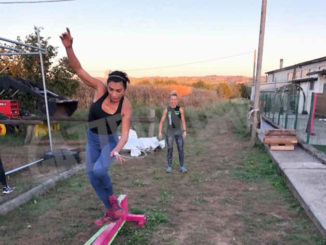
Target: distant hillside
(212, 79)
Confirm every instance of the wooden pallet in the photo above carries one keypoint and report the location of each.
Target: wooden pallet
(281, 139)
(283, 132)
(281, 147)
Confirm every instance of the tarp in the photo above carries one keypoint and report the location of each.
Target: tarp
(143, 144)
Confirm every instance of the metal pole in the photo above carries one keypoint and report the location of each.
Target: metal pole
(296, 110)
(44, 88)
(14, 53)
(258, 74)
(10, 48)
(309, 119)
(22, 167)
(270, 106)
(22, 44)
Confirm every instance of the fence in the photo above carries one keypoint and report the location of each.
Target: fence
(281, 107)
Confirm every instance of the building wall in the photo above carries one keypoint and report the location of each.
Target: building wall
(322, 81)
(280, 78)
(301, 72)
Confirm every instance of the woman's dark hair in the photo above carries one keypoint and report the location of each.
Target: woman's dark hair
(119, 76)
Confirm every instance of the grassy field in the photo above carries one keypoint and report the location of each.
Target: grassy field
(231, 194)
(321, 148)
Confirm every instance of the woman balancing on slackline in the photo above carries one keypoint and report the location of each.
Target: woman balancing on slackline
(109, 109)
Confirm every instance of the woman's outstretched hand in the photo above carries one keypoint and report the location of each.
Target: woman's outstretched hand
(117, 156)
(66, 39)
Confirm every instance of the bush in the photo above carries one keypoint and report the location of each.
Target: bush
(201, 84)
(245, 91)
(228, 90)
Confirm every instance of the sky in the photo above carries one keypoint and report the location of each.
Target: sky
(175, 37)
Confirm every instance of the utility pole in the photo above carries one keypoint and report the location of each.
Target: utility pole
(252, 94)
(258, 74)
(254, 72)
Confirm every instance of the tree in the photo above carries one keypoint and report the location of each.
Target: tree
(59, 78)
(224, 91)
(63, 79)
(245, 91)
(31, 63)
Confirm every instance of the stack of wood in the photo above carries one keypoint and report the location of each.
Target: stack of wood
(281, 139)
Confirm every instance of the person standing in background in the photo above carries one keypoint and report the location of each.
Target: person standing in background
(176, 129)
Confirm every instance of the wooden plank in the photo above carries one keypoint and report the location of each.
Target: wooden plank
(64, 142)
(272, 140)
(288, 132)
(78, 119)
(282, 147)
(151, 128)
(82, 119)
(18, 122)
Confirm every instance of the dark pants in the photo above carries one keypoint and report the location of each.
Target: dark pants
(2, 175)
(179, 140)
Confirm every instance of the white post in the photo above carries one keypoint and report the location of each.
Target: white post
(37, 30)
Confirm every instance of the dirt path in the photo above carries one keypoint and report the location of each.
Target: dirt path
(208, 205)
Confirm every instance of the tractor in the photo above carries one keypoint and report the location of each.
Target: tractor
(9, 110)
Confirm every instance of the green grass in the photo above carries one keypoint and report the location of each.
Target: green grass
(139, 182)
(257, 170)
(12, 140)
(130, 235)
(320, 147)
(259, 167)
(165, 196)
(196, 177)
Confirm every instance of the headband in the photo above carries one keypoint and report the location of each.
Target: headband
(117, 76)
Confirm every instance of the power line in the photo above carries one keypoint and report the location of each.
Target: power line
(190, 63)
(44, 1)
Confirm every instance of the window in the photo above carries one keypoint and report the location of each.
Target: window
(290, 76)
(311, 85)
(324, 90)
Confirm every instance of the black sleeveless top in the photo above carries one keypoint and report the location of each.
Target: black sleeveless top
(99, 121)
(174, 118)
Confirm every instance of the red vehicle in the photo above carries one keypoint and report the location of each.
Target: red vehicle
(9, 108)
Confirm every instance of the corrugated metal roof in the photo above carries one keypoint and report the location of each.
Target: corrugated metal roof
(322, 72)
(302, 80)
(299, 65)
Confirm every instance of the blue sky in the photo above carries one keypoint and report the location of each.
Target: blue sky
(147, 38)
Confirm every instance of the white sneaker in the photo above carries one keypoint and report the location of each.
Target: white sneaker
(183, 170)
(7, 189)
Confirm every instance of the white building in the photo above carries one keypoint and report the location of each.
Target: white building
(309, 75)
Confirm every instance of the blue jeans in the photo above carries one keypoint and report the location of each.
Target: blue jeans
(98, 161)
(179, 140)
